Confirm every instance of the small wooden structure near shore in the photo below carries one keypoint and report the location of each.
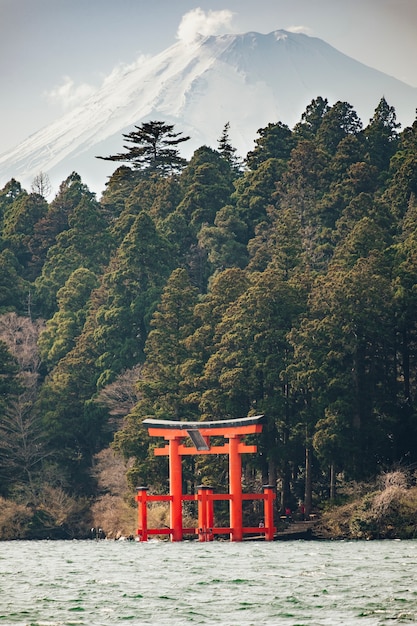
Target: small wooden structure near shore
(199, 433)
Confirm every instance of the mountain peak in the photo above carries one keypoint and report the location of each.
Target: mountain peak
(248, 80)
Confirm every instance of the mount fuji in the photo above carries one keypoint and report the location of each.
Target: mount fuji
(248, 80)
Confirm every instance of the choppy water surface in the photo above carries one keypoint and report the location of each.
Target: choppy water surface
(297, 583)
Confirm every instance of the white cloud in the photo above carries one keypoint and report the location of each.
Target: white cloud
(305, 30)
(122, 69)
(69, 95)
(198, 22)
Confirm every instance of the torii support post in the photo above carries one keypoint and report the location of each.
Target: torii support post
(175, 485)
(141, 498)
(269, 512)
(235, 488)
(205, 513)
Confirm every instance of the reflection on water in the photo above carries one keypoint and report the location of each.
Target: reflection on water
(66, 583)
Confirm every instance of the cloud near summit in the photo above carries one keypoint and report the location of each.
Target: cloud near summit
(304, 30)
(199, 22)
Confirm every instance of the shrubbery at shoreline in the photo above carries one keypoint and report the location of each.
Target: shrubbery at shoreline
(385, 512)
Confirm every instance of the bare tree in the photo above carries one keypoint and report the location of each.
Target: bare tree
(20, 335)
(22, 441)
(121, 396)
(41, 185)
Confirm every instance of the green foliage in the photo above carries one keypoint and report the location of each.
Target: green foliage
(312, 118)
(10, 192)
(206, 290)
(81, 239)
(67, 323)
(274, 142)
(161, 387)
(14, 290)
(20, 221)
(226, 149)
(338, 122)
(381, 135)
(209, 182)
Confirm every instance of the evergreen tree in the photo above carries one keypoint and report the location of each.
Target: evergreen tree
(251, 353)
(153, 147)
(312, 119)
(14, 290)
(299, 192)
(275, 142)
(344, 365)
(225, 242)
(46, 230)
(255, 192)
(10, 192)
(404, 282)
(126, 299)
(85, 243)
(20, 221)
(118, 188)
(155, 195)
(226, 148)
(381, 135)
(8, 371)
(160, 387)
(224, 288)
(166, 352)
(65, 326)
(209, 182)
(402, 181)
(338, 122)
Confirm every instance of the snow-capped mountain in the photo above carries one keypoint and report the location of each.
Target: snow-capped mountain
(247, 80)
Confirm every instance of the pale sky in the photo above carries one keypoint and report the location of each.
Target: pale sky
(55, 52)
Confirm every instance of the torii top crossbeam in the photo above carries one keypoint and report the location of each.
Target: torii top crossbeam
(173, 428)
(240, 421)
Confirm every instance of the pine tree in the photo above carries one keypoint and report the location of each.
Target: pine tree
(338, 122)
(226, 148)
(275, 141)
(381, 136)
(153, 147)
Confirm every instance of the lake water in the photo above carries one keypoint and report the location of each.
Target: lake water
(294, 583)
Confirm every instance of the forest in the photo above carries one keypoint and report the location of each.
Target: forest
(283, 283)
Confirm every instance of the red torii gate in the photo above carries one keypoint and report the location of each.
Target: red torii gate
(174, 432)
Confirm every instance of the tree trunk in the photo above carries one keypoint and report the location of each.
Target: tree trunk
(406, 366)
(286, 491)
(308, 488)
(332, 490)
(272, 473)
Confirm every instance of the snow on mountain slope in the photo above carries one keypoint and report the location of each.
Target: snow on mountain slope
(248, 80)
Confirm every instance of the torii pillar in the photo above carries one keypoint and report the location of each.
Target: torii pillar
(175, 489)
(235, 488)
